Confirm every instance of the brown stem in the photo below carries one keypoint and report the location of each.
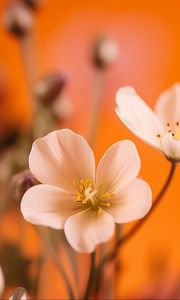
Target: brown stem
(111, 256)
(96, 105)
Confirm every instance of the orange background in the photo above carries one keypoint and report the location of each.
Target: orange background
(147, 33)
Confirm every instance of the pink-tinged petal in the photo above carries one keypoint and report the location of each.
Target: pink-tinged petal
(47, 205)
(132, 203)
(19, 294)
(2, 283)
(61, 157)
(171, 147)
(119, 166)
(168, 105)
(138, 116)
(87, 229)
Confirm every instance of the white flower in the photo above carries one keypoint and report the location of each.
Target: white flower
(2, 283)
(79, 199)
(161, 128)
(19, 294)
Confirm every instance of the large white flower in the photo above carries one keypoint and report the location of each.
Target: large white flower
(161, 128)
(75, 197)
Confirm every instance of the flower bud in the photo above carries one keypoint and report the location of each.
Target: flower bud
(20, 293)
(18, 19)
(33, 4)
(49, 88)
(105, 52)
(20, 183)
(62, 108)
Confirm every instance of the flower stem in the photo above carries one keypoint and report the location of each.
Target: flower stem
(51, 251)
(111, 256)
(91, 277)
(96, 106)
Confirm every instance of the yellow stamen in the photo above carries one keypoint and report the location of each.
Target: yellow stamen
(91, 197)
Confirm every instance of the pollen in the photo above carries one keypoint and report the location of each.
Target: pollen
(90, 197)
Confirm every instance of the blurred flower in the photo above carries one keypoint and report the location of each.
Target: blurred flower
(161, 128)
(33, 4)
(49, 88)
(18, 19)
(1, 281)
(105, 52)
(72, 197)
(20, 183)
(19, 294)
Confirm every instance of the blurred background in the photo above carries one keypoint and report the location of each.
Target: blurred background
(61, 39)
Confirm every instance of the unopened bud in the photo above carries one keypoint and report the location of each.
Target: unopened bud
(18, 19)
(33, 4)
(19, 294)
(49, 88)
(105, 53)
(62, 108)
(21, 182)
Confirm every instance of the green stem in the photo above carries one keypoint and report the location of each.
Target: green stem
(111, 256)
(51, 251)
(91, 277)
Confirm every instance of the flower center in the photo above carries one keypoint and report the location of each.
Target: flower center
(174, 129)
(91, 198)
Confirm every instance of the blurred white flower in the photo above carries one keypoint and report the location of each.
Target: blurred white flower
(73, 197)
(161, 128)
(19, 294)
(2, 283)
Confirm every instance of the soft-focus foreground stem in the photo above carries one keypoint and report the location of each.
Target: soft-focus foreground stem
(96, 105)
(91, 277)
(51, 251)
(136, 227)
(26, 47)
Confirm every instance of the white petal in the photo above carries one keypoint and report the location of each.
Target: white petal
(19, 294)
(2, 283)
(47, 205)
(171, 147)
(168, 105)
(132, 203)
(138, 116)
(60, 158)
(119, 166)
(87, 229)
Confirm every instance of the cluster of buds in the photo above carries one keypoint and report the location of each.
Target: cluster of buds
(105, 52)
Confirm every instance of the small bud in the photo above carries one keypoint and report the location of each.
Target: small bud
(105, 53)
(18, 19)
(20, 183)
(49, 88)
(33, 4)
(62, 108)
(19, 294)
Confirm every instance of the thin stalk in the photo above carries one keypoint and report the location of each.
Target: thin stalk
(96, 106)
(50, 250)
(27, 55)
(111, 256)
(91, 277)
